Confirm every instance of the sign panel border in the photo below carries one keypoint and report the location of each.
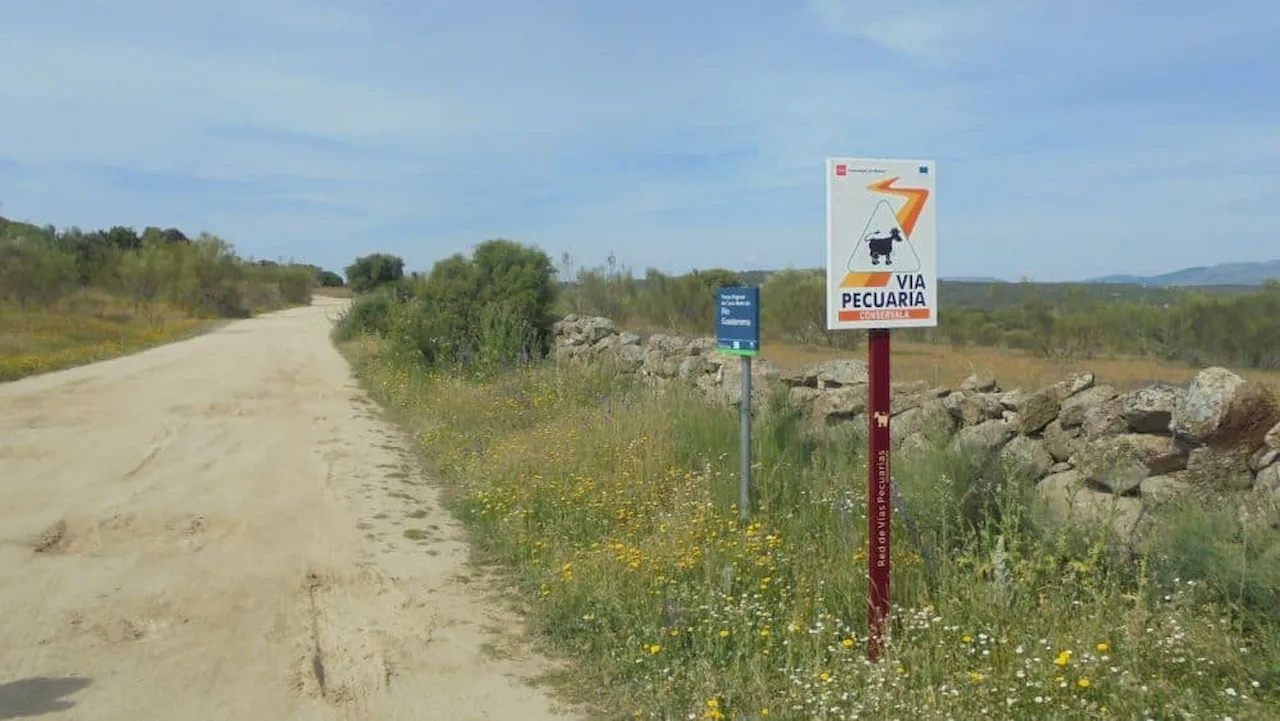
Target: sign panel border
(725, 345)
(906, 202)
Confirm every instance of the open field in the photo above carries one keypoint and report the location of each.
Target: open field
(224, 528)
(86, 328)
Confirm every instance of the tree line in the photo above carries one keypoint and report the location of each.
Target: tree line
(43, 266)
(1230, 326)
(1239, 327)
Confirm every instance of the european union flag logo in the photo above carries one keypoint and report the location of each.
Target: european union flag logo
(924, 169)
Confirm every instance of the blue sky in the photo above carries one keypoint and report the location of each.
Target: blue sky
(1073, 139)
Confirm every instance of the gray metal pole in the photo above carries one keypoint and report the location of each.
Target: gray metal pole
(744, 483)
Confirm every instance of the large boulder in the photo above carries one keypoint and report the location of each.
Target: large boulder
(1120, 463)
(1039, 410)
(840, 405)
(765, 376)
(1150, 409)
(838, 373)
(803, 396)
(986, 437)
(1272, 438)
(1208, 403)
(930, 419)
(910, 394)
(1012, 400)
(595, 329)
(1067, 499)
(1027, 455)
(1075, 383)
(974, 408)
(629, 357)
(980, 383)
(1073, 409)
(1156, 490)
(1104, 420)
(1268, 481)
(1221, 468)
(1061, 443)
(1263, 457)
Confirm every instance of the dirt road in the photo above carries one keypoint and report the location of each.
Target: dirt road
(224, 529)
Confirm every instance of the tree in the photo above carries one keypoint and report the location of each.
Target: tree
(518, 294)
(371, 271)
(491, 310)
(144, 273)
(328, 279)
(793, 306)
(34, 270)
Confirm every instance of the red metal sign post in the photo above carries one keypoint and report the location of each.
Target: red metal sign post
(882, 273)
(880, 503)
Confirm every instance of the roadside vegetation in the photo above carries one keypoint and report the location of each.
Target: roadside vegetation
(610, 507)
(71, 297)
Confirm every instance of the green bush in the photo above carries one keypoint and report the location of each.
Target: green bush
(368, 314)
(202, 276)
(491, 310)
(371, 271)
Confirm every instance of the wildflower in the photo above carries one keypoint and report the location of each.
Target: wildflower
(975, 677)
(724, 633)
(1084, 683)
(1063, 658)
(1103, 647)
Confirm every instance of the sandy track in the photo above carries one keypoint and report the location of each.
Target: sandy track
(215, 529)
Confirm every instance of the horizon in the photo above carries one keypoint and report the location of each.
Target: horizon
(672, 136)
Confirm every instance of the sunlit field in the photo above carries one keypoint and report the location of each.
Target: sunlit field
(86, 328)
(611, 509)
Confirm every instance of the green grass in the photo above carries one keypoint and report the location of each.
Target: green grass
(612, 509)
(86, 328)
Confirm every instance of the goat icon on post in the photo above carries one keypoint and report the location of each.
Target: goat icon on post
(883, 246)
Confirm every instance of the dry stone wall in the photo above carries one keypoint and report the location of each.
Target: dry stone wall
(1095, 452)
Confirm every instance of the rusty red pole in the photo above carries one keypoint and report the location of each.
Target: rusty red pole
(879, 505)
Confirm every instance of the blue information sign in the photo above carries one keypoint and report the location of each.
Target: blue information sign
(738, 320)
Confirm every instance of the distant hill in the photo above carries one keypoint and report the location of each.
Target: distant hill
(973, 279)
(1219, 275)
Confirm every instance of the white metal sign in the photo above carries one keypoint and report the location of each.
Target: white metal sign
(882, 266)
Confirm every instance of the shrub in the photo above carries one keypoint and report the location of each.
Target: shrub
(489, 311)
(371, 271)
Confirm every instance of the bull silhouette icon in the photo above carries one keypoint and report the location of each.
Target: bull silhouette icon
(883, 246)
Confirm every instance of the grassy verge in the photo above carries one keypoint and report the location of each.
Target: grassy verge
(612, 509)
(85, 329)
